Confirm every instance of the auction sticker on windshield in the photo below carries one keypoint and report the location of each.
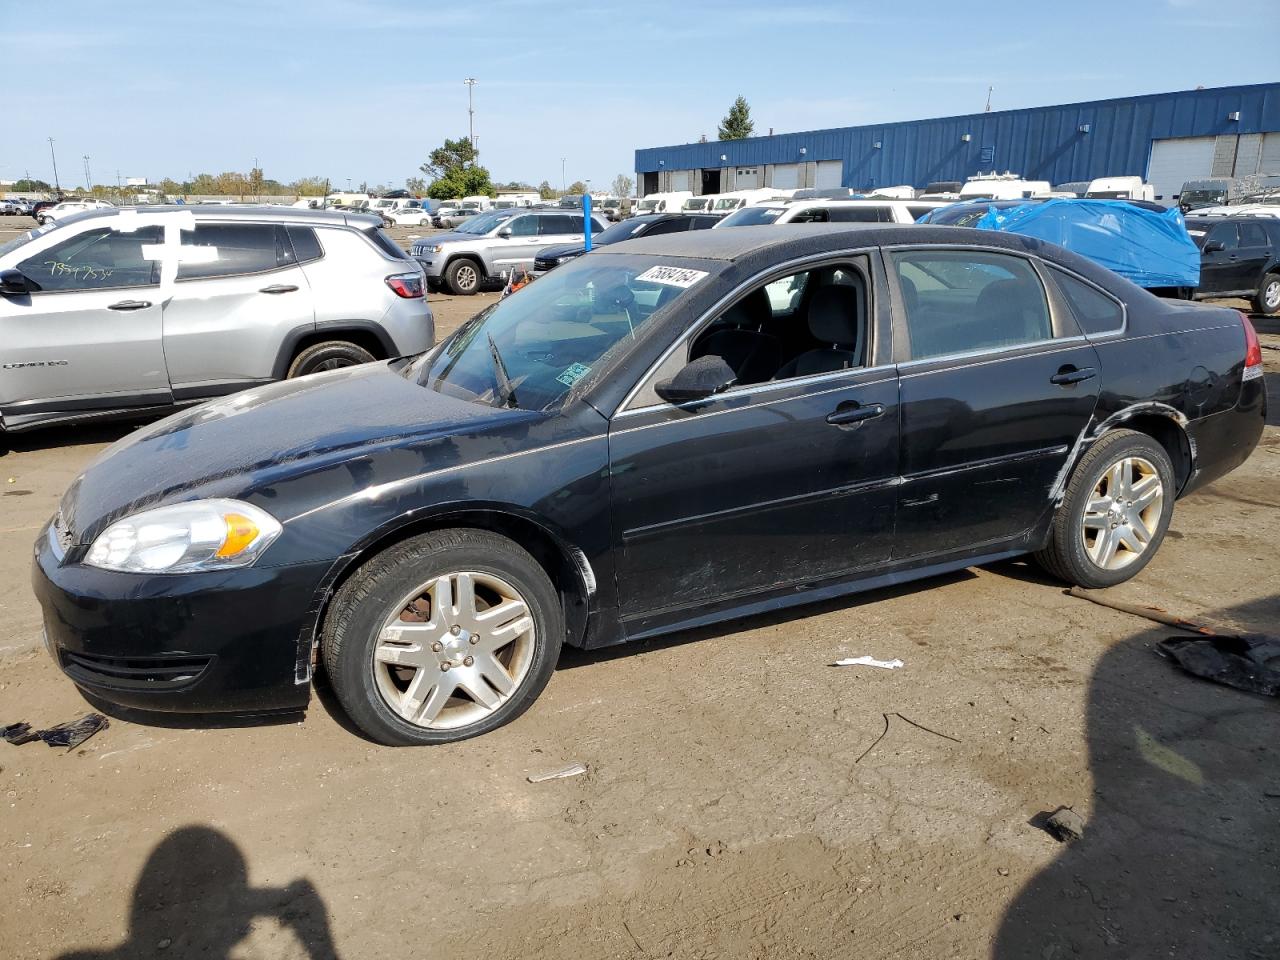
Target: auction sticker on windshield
(672, 276)
(573, 373)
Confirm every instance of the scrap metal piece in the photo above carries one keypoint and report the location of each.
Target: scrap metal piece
(572, 770)
(18, 734)
(74, 732)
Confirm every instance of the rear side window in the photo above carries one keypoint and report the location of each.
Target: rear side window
(306, 245)
(967, 301)
(1094, 310)
(859, 214)
(812, 215)
(100, 259)
(917, 212)
(1253, 235)
(228, 250)
(385, 243)
(559, 223)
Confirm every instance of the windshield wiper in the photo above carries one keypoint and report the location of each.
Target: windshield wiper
(504, 381)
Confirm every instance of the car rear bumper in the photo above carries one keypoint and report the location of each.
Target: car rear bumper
(222, 642)
(1223, 441)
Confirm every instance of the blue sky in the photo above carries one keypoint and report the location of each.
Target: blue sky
(366, 88)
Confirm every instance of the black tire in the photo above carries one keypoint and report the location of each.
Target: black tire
(329, 355)
(463, 277)
(362, 605)
(1065, 555)
(1267, 300)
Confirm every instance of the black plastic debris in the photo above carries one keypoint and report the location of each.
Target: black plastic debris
(76, 732)
(18, 734)
(1248, 662)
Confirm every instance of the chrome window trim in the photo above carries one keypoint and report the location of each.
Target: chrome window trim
(993, 356)
(715, 309)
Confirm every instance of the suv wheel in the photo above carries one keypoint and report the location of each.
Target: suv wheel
(443, 637)
(463, 276)
(1267, 299)
(1115, 513)
(330, 355)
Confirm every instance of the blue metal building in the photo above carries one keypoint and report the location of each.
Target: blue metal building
(1166, 137)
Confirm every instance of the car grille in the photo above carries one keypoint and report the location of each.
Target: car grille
(134, 673)
(541, 264)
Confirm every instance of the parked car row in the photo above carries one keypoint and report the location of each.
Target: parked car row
(16, 206)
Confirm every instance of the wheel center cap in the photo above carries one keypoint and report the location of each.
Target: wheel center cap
(455, 647)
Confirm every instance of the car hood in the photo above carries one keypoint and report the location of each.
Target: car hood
(452, 238)
(243, 444)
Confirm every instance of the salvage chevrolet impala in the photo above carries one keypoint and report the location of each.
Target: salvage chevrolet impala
(670, 432)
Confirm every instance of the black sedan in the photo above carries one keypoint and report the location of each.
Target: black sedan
(671, 432)
(1239, 257)
(650, 225)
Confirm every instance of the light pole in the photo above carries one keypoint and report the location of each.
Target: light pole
(88, 180)
(471, 111)
(563, 181)
(56, 185)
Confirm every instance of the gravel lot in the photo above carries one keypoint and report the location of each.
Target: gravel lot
(731, 807)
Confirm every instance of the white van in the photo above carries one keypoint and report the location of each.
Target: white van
(1002, 186)
(663, 202)
(727, 203)
(1120, 188)
(831, 211)
(697, 205)
(479, 202)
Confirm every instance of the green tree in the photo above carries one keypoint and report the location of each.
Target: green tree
(31, 186)
(576, 189)
(737, 124)
(622, 185)
(255, 181)
(454, 171)
(546, 191)
(309, 186)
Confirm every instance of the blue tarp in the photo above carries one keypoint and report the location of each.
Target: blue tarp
(1151, 249)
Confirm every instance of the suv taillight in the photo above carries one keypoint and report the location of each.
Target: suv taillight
(407, 285)
(1252, 350)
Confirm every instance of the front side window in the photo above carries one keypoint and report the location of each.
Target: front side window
(1225, 234)
(98, 259)
(228, 250)
(481, 224)
(966, 301)
(524, 226)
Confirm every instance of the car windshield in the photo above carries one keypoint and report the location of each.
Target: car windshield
(484, 222)
(967, 214)
(752, 216)
(528, 350)
(24, 239)
(698, 204)
(647, 205)
(1202, 198)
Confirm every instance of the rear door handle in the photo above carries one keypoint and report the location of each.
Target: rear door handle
(1069, 375)
(854, 413)
(279, 288)
(130, 305)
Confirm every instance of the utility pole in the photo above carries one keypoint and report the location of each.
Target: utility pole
(56, 185)
(257, 196)
(988, 109)
(88, 180)
(471, 111)
(563, 181)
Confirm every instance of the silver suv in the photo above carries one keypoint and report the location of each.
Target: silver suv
(491, 245)
(137, 309)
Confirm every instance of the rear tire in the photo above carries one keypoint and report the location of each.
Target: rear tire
(329, 355)
(463, 277)
(1267, 300)
(1114, 514)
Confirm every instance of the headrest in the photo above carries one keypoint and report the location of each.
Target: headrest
(833, 315)
(750, 312)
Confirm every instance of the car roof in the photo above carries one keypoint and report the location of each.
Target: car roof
(1207, 221)
(238, 212)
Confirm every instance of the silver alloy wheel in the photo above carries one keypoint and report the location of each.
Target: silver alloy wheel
(334, 363)
(454, 650)
(466, 276)
(1271, 294)
(1123, 513)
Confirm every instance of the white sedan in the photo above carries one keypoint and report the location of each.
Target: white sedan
(417, 217)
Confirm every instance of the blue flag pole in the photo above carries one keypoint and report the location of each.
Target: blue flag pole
(586, 221)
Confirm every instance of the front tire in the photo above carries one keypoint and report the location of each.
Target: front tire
(1267, 300)
(462, 277)
(443, 637)
(330, 355)
(1115, 512)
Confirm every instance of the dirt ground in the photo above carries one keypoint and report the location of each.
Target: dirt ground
(742, 799)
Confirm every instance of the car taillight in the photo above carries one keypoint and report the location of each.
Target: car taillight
(1252, 350)
(407, 285)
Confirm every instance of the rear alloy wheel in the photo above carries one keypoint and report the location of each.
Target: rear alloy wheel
(330, 355)
(1115, 512)
(443, 637)
(1267, 300)
(463, 277)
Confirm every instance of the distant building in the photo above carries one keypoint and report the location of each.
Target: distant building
(135, 181)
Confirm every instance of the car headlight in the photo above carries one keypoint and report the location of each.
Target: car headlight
(436, 249)
(185, 537)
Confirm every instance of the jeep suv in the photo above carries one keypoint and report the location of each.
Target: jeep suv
(491, 245)
(134, 310)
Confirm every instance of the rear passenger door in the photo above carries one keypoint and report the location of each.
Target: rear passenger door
(996, 389)
(240, 294)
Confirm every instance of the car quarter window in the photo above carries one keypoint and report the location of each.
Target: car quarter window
(961, 301)
(306, 245)
(228, 249)
(1095, 311)
(98, 259)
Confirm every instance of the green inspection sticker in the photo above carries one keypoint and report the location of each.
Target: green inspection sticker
(573, 373)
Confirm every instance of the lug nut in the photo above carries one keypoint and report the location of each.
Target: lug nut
(437, 647)
(445, 666)
(469, 662)
(475, 638)
(455, 629)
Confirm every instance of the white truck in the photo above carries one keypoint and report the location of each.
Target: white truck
(663, 202)
(1120, 188)
(1002, 186)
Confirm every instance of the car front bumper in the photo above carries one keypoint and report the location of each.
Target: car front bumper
(234, 641)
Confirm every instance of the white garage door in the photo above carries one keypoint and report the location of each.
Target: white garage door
(1174, 162)
(786, 176)
(1270, 162)
(830, 173)
(679, 180)
(746, 178)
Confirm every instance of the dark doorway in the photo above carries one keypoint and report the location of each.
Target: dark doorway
(710, 182)
(650, 184)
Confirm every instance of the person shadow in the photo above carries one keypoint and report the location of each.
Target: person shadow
(1181, 849)
(193, 898)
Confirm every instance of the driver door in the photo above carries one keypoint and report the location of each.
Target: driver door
(766, 488)
(517, 242)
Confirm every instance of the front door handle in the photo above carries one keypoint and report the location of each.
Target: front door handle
(279, 288)
(846, 414)
(130, 305)
(1069, 374)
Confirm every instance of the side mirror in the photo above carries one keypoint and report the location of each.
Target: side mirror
(505, 232)
(13, 283)
(1214, 246)
(697, 380)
